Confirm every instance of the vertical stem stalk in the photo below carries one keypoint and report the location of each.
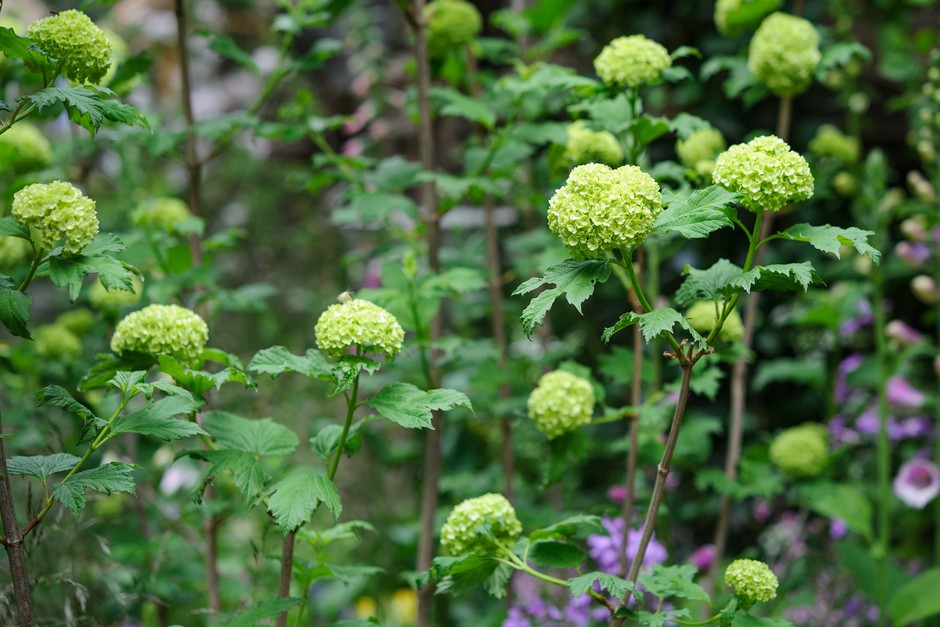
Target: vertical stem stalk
(884, 444)
(13, 543)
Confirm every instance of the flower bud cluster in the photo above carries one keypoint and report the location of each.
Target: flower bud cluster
(925, 123)
(832, 143)
(163, 213)
(162, 330)
(766, 172)
(752, 580)
(703, 317)
(358, 323)
(733, 17)
(587, 146)
(699, 150)
(784, 54)
(56, 212)
(475, 525)
(801, 451)
(451, 24)
(23, 148)
(72, 39)
(600, 209)
(632, 61)
(561, 402)
(57, 342)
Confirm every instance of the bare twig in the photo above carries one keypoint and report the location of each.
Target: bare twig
(13, 543)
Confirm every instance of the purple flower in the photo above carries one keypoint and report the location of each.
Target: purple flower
(868, 421)
(840, 433)
(853, 325)
(916, 427)
(913, 255)
(903, 394)
(849, 364)
(917, 483)
(617, 493)
(762, 510)
(903, 334)
(837, 528)
(605, 549)
(703, 557)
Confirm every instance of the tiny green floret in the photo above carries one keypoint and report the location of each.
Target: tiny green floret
(56, 212)
(451, 24)
(587, 146)
(632, 61)
(162, 330)
(766, 172)
(599, 209)
(752, 581)
(358, 323)
(801, 451)
(479, 524)
(560, 403)
(81, 48)
(703, 318)
(784, 54)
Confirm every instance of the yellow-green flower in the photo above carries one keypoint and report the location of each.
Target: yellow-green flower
(752, 580)
(766, 172)
(784, 54)
(831, 142)
(70, 37)
(162, 330)
(587, 146)
(478, 524)
(451, 24)
(702, 317)
(358, 323)
(14, 251)
(55, 341)
(24, 148)
(163, 213)
(600, 209)
(699, 150)
(631, 61)
(56, 212)
(560, 403)
(78, 321)
(801, 451)
(733, 17)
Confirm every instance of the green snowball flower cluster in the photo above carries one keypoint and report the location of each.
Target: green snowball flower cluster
(702, 317)
(162, 213)
(358, 323)
(631, 61)
(56, 341)
(784, 54)
(699, 150)
(451, 24)
(561, 402)
(14, 251)
(831, 142)
(101, 297)
(56, 212)
(70, 37)
(23, 148)
(78, 321)
(162, 330)
(476, 524)
(587, 146)
(733, 17)
(766, 172)
(600, 209)
(801, 451)
(752, 580)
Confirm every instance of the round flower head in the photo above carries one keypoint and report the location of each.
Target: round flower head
(587, 146)
(831, 142)
(14, 251)
(631, 61)
(78, 321)
(802, 451)
(703, 145)
(101, 297)
(162, 330)
(766, 172)
(752, 580)
(702, 317)
(24, 149)
(451, 24)
(561, 402)
(358, 323)
(476, 524)
(784, 53)
(162, 213)
(76, 43)
(55, 341)
(54, 212)
(599, 209)
(733, 17)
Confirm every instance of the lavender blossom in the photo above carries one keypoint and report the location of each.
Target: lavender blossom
(917, 483)
(703, 557)
(605, 549)
(903, 394)
(903, 334)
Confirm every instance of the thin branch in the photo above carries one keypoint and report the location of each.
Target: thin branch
(13, 543)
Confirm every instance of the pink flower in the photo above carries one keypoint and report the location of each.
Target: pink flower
(617, 493)
(903, 394)
(903, 334)
(703, 557)
(917, 483)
